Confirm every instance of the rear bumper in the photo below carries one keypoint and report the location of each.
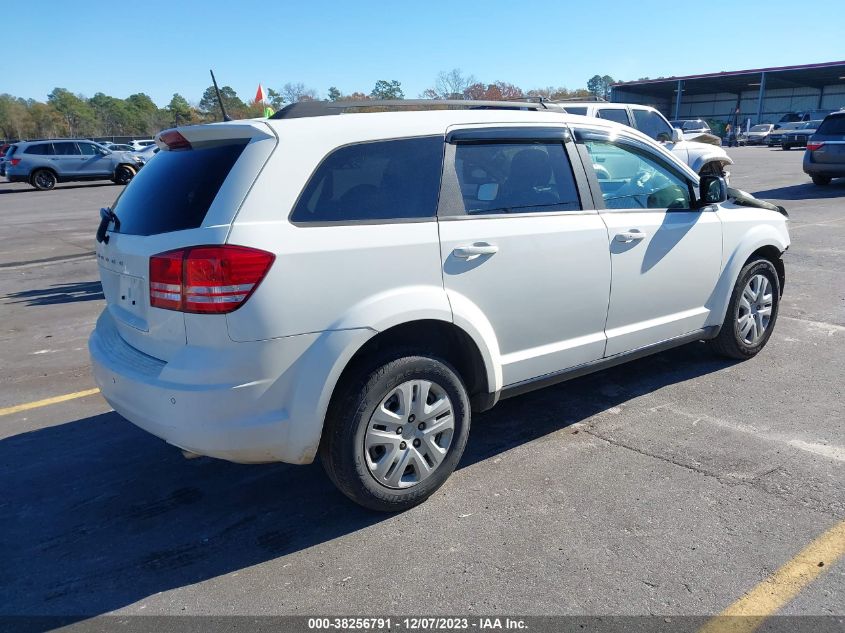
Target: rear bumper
(834, 170)
(270, 411)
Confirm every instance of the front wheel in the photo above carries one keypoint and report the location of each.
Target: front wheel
(821, 180)
(124, 175)
(786, 148)
(752, 312)
(396, 432)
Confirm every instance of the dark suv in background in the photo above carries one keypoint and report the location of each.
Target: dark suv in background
(824, 159)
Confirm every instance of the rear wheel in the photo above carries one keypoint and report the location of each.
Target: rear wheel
(751, 313)
(43, 180)
(821, 180)
(396, 431)
(785, 147)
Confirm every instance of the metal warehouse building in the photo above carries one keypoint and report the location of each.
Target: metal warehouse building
(763, 95)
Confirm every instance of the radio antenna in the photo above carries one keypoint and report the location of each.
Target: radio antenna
(226, 117)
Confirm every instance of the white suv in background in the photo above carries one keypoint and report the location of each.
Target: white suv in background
(703, 158)
(354, 286)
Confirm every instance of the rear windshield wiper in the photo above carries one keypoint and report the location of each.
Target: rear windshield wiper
(107, 216)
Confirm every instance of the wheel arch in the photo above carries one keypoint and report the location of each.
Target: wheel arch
(442, 338)
(710, 157)
(35, 170)
(762, 241)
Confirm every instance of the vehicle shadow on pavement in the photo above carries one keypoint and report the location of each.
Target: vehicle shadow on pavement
(804, 191)
(98, 514)
(59, 187)
(58, 293)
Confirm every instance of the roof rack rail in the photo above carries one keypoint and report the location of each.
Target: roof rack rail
(303, 109)
(591, 98)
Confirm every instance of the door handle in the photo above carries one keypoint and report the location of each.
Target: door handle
(630, 236)
(474, 250)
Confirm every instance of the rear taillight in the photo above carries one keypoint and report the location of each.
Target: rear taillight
(14, 161)
(814, 145)
(206, 279)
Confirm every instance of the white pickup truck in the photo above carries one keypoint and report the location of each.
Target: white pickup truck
(703, 158)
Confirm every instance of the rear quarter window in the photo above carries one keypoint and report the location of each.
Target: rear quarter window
(833, 126)
(374, 181)
(174, 191)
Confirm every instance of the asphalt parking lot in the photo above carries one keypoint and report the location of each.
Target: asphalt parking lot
(672, 485)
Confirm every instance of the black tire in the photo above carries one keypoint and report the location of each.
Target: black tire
(43, 179)
(123, 175)
(822, 181)
(786, 148)
(349, 418)
(730, 342)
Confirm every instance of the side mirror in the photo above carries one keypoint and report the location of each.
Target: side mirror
(712, 190)
(677, 135)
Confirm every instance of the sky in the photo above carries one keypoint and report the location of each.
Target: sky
(160, 48)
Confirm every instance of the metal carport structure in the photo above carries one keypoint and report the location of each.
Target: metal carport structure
(761, 94)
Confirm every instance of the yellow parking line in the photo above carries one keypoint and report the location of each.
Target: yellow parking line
(47, 401)
(748, 613)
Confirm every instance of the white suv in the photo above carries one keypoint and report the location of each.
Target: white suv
(356, 285)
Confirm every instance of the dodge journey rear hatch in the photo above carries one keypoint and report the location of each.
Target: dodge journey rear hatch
(171, 223)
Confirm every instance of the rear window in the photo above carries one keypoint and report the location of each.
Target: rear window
(382, 180)
(174, 191)
(576, 110)
(833, 125)
(41, 149)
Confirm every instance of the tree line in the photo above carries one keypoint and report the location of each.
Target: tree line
(66, 114)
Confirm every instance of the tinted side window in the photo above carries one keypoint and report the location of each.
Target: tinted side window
(620, 115)
(631, 178)
(65, 149)
(515, 178)
(42, 149)
(382, 180)
(832, 125)
(88, 149)
(653, 125)
(576, 110)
